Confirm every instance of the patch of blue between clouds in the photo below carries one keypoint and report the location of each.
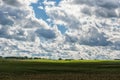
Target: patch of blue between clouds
(62, 28)
(41, 14)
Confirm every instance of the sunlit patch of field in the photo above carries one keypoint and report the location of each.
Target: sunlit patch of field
(39, 69)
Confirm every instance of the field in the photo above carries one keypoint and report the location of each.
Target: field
(12, 69)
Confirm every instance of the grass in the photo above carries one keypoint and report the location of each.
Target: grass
(59, 69)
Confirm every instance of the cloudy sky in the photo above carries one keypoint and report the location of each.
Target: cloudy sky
(74, 29)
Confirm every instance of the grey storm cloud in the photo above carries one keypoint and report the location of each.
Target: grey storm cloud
(106, 13)
(46, 33)
(71, 39)
(92, 37)
(4, 32)
(109, 4)
(87, 2)
(95, 40)
(86, 10)
(12, 2)
(4, 20)
(99, 3)
(10, 15)
(103, 8)
(18, 35)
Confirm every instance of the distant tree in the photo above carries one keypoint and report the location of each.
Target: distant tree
(26, 57)
(82, 59)
(14, 57)
(60, 59)
(116, 59)
(36, 58)
(0, 57)
(95, 59)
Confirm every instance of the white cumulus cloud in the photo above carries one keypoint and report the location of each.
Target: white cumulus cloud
(93, 29)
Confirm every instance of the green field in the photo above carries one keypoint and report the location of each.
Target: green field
(12, 69)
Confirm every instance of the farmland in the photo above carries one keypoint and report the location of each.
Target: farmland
(27, 69)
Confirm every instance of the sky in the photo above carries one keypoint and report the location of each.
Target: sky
(67, 29)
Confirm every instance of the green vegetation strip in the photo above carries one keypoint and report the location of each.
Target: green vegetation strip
(59, 66)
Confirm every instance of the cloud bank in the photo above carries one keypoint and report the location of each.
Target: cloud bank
(93, 29)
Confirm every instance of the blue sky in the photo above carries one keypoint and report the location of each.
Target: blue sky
(41, 14)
